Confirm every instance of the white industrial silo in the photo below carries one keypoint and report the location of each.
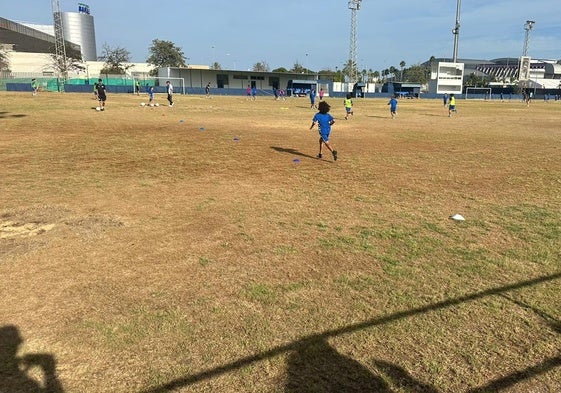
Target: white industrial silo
(79, 28)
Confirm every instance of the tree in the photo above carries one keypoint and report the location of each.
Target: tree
(216, 66)
(385, 73)
(402, 66)
(417, 74)
(393, 72)
(475, 81)
(280, 69)
(115, 60)
(350, 69)
(364, 75)
(165, 54)
(261, 66)
(298, 69)
(4, 62)
(338, 77)
(326, 74)
(63, 68)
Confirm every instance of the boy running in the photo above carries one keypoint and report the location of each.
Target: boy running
(348, 106)
(393, 106)
(325, 121)
(451, 105)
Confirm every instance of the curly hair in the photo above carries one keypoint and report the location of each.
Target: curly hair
(323, 107)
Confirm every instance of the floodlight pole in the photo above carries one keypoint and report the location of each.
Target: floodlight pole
(60, 48)
(354, 6)
(456, 31)
(528, 26)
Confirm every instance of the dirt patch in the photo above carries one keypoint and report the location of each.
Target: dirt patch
(25, 229)
(12, 229)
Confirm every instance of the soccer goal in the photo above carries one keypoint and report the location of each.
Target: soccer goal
(177, 83)
(478, 93)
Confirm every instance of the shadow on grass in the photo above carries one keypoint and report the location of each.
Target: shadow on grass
(518, 376)
(291, 151)
(549, 319)
(379, 117)
(5, 115)
(444, 115)
(14, 370)
(315, 366)
(317, 343)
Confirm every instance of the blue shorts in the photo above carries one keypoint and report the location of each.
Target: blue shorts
(324, 136)
(349, 109)
(452, 107)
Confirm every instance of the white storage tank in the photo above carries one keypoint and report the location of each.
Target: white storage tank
(79, 28)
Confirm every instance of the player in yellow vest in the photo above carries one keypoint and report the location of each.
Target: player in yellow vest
(451, 105)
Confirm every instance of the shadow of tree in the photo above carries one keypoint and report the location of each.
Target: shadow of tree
(14, 370)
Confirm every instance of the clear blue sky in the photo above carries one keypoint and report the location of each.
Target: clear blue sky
(314, 33)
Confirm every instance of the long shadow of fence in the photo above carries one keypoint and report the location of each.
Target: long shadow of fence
(322, 337)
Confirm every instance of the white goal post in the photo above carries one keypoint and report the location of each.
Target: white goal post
(177, 83)
(478, 93)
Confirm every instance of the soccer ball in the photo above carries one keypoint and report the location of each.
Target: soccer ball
(142, 104)
(98, 108)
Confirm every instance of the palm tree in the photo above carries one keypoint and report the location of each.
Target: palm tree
(385, 73)
(393, 71)
(402, 66)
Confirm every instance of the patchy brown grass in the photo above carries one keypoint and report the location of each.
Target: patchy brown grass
(184, 248)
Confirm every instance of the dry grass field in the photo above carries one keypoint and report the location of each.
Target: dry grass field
(204, 248)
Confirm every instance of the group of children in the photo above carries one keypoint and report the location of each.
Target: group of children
(169, 93)
(324, 120)
(449, 100)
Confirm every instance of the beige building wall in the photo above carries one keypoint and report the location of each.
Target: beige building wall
(40, 64)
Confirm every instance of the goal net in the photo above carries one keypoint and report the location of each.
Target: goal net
(177, 83)
(478, 93)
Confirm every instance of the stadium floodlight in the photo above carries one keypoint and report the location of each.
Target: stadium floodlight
(60, 48)
(456, 32)
(354, 6)
(528, 26)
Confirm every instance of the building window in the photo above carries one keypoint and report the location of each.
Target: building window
(274, 82)
(221, 80)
